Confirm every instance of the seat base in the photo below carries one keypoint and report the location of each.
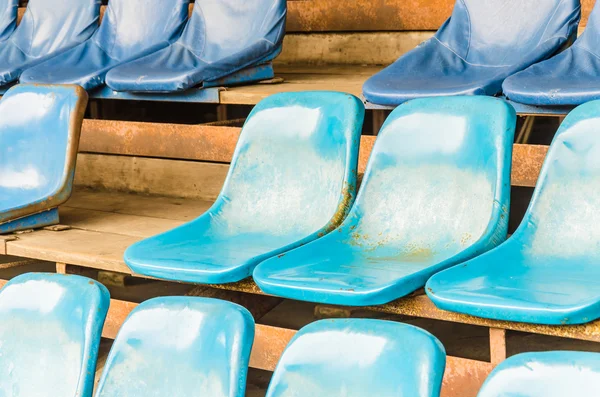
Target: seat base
(34, 221)
(249, 75)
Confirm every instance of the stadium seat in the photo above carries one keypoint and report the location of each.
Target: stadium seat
(178, 347)
(48, 28)
(130, 29)
(357, 358)
(8, 18)
(209, 49)
(570, 78)
(483, 43)
(292, 179)
(547, 271)
(435, 193)
(548, 374)
(39, 139)
(50, 328)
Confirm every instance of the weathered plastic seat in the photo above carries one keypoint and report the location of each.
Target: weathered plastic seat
(547, 271)
(50, 328)
(292, 180)
(360, 358)
(210, 48)
(483, 42)
(180, 346)
(435, 193)
(48, 28)
(548, 374)
(8, 18)
(130, 29)
(39, 138)
(570, 78)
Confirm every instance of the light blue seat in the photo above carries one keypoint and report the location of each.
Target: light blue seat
(39, 139)
(50, 328)
(358, 358)
(223, 37)
(435, 193)
(130, 29)
(547, 272)
(179, 347)
(549, 374)
(483, 43)
(291, 180)
(8, 18)
(48, 28)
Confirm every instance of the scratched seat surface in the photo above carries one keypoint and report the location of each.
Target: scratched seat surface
(209, 47)
(357, 358)
(547, 271)
(180, 346)
(8, 18)
(48, 28)
(291, 180)
(435, 193)
(39, 139)
(130, 29)
(547, 374)
(482, 43)
(50, 331)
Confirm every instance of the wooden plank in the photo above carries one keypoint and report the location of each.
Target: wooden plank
(464, 378)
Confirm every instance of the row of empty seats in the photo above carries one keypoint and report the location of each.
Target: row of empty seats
(183, 346)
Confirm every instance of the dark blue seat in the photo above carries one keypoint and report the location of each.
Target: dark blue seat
(8, 18)
(221, 38)
(484, 42)
(39, 139)
(435, 193)
(130, 29)
(48, 28)
(547, 272)
(360, 358)
(50, 328)
(548, 374)
(180, 346)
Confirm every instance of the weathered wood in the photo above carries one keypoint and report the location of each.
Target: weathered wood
(497, 345)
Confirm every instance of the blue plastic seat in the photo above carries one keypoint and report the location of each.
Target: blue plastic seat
(547, 271)
(180, 346)
(50, 328)
(435, 193)
(291, 180)
(548, 374)
(8, 18)
(210, 47)
(483, 43)
(360, 358)
(39, 139)
(130, 29)
(48, 28)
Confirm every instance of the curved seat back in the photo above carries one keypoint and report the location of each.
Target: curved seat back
(50, 328)
(8, 18)
(357, 358)
(180, 346)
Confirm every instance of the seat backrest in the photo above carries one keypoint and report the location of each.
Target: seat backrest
(39, 139)
(293, 172)
(501, 32)
(548, 374)
(50, 328)
(358, 358)
(131, 26)
(8, 18)
(437, 182)
(49, 26)
(590, 38)
(180, 346)
(221, 28)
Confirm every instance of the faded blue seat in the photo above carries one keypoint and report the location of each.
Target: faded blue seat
(291, 180)
(39, 139)
(548, 374)
(210, 47)
(130, 29)
(360, 358)
(180, 346)
(547, 272)
(8, 18)
(435, 193)
(483, 43)
(48, 28)
(50, 328)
